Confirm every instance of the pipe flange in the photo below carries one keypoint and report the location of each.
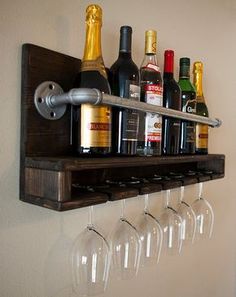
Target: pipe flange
(42, 97)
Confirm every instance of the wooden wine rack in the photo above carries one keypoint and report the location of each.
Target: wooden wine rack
(50, 176)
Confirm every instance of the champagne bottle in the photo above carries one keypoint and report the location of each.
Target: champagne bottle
(93, 123)
(171, 99)
(124, 81)
(188, 104)
(201, 109)
(149, 139)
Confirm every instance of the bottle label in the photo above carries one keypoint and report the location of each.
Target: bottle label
(94, 65)
(188, 128)
(189, 102)
(130, 118)
(190, 135)
(153, 122)
(95, 126)
(201, 136)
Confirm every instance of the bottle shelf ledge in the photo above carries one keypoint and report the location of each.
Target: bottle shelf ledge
(83, 163)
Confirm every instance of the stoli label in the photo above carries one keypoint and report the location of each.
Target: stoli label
(153, 122)
(157, 89)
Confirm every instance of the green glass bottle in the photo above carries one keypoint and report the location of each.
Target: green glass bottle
(188, 104)
(201, 109)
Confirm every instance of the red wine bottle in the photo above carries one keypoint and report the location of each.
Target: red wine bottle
(171, 99)
(124, 82)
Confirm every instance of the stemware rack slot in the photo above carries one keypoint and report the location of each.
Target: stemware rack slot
(50, 176)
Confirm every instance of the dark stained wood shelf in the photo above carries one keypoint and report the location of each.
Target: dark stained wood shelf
(51, 177)
(69, 183)
(83, 163)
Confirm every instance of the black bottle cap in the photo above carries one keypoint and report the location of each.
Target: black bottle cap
(125, 38)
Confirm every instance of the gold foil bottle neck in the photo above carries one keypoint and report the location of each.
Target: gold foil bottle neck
(94, 14)
(197, 79)
(150, 42)
(197, 67)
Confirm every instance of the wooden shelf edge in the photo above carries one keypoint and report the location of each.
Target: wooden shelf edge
(77, 164)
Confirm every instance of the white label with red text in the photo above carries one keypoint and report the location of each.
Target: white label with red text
(153, 122)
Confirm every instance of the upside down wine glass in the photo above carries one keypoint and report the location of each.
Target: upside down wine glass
(125, 247)
(151, 236)
(90, 261)
(204, 216)
(171, 223)
(188, 219)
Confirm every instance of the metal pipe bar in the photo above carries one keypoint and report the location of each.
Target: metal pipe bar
(94, 96)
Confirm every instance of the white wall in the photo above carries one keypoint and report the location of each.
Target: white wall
(34, 242)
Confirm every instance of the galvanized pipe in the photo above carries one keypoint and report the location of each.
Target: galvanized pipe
(94, 96)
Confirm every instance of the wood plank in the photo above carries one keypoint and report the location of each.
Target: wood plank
(75, 164)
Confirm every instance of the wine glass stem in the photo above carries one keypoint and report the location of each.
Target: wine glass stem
(167, 198)
(90, 218)
(146, 198)
(200, 190)
(181, 193)
(122, 208)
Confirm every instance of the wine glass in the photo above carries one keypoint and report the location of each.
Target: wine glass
(171, 223)
(188, 219)
(90, 261)
(204, 216)
(151, 236)
(125, 247)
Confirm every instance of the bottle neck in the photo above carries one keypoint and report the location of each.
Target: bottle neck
(184, 72)
(197, 81)
(169, 64)
(149, 58)
(125, 42)
(92, 50)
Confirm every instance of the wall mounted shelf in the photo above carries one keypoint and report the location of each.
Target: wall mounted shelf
(52, 177)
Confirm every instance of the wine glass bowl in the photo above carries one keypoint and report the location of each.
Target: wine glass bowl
(204, 216)
(125, 246)
(151, 235)
(188, 220)
(171, 223)
(90, 261)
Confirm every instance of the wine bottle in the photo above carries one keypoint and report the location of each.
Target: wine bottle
(171, 99)
(150, 125)
(124, 82)
(92, 132)
(201, 109)
(188, 104)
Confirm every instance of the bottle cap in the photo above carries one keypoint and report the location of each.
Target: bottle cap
(125, 39)
(184, 70)
(198, 66)
(125, 29)
(94, 13)
(169, 53)
(184, 61)
(169, 61)
(150, 42)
